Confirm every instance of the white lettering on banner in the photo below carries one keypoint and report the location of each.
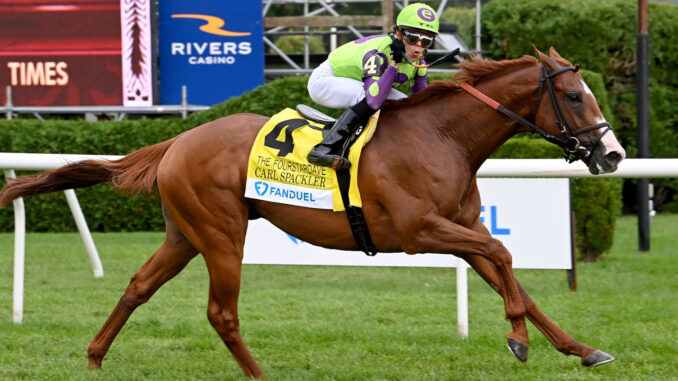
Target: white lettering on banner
(38, 73)
(535, 229)
(211, 60)
(211, 53)
(245, 48)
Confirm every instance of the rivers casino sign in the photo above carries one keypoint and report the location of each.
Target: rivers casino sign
(213, 47)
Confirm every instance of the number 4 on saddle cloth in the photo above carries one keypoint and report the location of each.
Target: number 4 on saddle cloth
(278, 170)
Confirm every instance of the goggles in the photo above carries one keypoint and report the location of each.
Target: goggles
(412, 37)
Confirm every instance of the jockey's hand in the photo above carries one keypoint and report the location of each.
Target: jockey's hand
(397, 51)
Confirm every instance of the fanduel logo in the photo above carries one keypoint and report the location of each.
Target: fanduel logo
(261, 188)
(264, 189)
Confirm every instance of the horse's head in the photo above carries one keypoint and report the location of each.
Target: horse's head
(567, 108)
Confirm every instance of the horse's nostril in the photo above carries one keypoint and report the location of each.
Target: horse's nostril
(613, 157)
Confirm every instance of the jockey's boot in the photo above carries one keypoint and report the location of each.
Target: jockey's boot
(328, 153)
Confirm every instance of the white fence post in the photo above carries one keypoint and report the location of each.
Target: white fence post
(80, 222)
(26, 161)
(462, 297)
(19, 255)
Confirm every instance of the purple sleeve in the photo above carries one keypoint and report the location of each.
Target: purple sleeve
(420, 81)
(384, 85)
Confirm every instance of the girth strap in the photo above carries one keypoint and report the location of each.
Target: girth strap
(356, 219)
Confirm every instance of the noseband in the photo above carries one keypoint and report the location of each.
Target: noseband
(572, 148)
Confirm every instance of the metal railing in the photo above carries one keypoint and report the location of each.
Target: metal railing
(326, 7)
(119, 112)
(443, 45)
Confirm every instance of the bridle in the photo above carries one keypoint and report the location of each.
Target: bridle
(572, 148)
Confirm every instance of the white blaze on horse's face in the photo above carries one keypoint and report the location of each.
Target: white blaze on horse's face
(611, 144)
(609, 141)
(586, 89)
(607, 156)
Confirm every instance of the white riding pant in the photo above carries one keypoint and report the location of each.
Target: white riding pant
(338, 92)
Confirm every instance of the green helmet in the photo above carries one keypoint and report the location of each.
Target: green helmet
(418, 16)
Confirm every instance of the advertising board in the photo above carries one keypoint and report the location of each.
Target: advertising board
(214, 48)
(530, 216)
(71, 53)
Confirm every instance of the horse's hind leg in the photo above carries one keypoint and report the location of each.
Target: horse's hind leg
(216, 226)
(167, 262)
(222, 310)
(223, 253)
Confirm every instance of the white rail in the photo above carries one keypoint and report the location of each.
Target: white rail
(491, 168)
(43, 161)
(24, 161)
(651, 168)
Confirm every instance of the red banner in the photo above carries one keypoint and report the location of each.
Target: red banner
(61, 53)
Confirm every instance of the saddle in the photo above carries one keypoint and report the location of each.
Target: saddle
(279, 172)
(356, 218)
(316, 116)
(309, 112)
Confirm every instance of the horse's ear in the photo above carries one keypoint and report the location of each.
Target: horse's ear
(550, 63)
(542, 57)
(554, 54)
(539, 54)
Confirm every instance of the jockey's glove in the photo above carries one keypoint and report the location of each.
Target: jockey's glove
(397, 50)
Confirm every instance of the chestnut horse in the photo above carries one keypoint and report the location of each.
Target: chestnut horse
(417, 181)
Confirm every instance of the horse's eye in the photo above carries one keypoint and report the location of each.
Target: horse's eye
(573, 97)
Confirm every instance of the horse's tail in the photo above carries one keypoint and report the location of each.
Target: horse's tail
(134, 173)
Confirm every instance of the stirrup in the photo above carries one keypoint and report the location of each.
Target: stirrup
(340, 162)
(329, 160)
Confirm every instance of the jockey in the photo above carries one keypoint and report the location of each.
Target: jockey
(360, 75)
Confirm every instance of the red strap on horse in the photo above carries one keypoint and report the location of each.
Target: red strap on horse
(497, 106)
(487, 100)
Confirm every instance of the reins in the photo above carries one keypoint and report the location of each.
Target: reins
(440, 60)
(569, 143)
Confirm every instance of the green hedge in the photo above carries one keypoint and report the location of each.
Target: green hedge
(109, 211)
(105, 209)
(601, 36)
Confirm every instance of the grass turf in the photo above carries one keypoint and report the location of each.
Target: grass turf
(337, 323)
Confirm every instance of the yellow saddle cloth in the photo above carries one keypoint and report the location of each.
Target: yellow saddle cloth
(279, 172)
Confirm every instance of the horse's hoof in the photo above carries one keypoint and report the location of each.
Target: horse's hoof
(597, 358)
(95, 363)
(518, 349)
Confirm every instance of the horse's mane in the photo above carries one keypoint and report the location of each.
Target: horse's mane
(470, 71)
(477, 68)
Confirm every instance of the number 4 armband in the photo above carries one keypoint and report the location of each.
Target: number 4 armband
(374, 65)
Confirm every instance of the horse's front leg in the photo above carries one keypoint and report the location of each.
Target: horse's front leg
(437, 234)
(559, 338)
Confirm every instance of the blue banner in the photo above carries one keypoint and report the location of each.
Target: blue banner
(214, 47)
